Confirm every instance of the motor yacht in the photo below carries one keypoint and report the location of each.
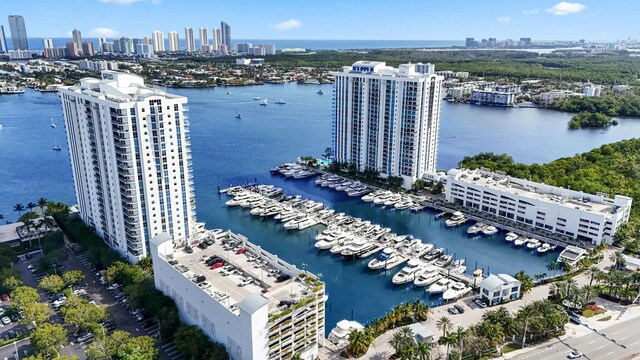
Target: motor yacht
(511, 236)
(439, 286)
(256, 98)
(340, 334)
(380, 261)
(280, 102)
(456, 290)
(327, 244)
(380, 199)
(295, 222)
(430, 275)
(443, 261)
(369, 197)
(457, 267)
(433, 255)
(403, 204)
(264, 102)
(475, 228)
(358, 191)
(520, 241)
(308, 222)
(392, 200)
(489, 230)
(457, 219)
(357, 246)
(410, 272)
(533, 243)
(418, 249)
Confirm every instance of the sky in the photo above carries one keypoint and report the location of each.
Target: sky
(334, 19)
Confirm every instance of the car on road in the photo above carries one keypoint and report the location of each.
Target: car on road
(5, 320)
(574, 354)
(452, 310)
(480, 303)
(459, 308)
(217, 265)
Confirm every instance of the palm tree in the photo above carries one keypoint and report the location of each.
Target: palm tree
(408, 336)
(553, 266)
(444, 324)
(397, 342)
(461, 334)
(42, 203)
(18, 208)
(449, 340)
(617, 257)
(593, 273)
(526, 282)
(30, 206)
(358, 343)
(423, 351)
(588, 290)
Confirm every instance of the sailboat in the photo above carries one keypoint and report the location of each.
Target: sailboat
(53, 125)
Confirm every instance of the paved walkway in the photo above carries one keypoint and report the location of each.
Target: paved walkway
(380, 348)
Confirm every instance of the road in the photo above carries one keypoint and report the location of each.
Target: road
(611, 345)
(9, 351)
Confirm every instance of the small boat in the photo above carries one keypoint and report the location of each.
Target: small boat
(544, 248)
(403, 204)
(475, 228)
(53, 125)
(280, 102)
(443, 261)
(511, 236)
(456, 290)
(489, 230)
(256, 98)
(533, 243)
(0, 126)
(439, 286)
(456, 219)
(56, 148)
(457, 267)
(264, 102)
(520, 241)
(238, 116)
(228, 92)
(408, 273)
(320, 92)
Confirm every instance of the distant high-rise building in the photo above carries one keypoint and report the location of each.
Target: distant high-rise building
(146, 40)
(55, 52)
(470, 42)
(47, 43)
(100, 42)
(217, 38)
(257, 51)
(107, 47)
(18, 32)
(191, 42)
(225, 31)
(173, 41)
(492, 42)
(77, 38)
(224, 49)
(158, 41)
(525, 41)
(124, 45)
(244, 47)
(3, 41)
(387, 119)
(131, 161)
(87, 48)
(72, 49)
(145, 50)
(269, 49)
(204, 39)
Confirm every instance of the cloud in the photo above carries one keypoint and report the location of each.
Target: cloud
(531, 12)
(104, 32)
(289, 24)
(504, 19)
(565, 8)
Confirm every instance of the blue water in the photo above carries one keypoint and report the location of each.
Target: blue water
(36, 43)
(227, 150)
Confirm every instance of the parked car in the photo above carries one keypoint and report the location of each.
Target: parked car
(203, 245)
(576, 320)
(452, 310)
(574, 354)
(11, 334)
(204, 285)
(209, 241)
(241, 251)
(245, 281)
(113, 287)
(188, 249)
(217, 265)
(5, 320)
(480, 303)
(283, 277)
(85, 337)
(459, 308)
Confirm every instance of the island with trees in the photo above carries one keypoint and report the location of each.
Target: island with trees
(590, 120)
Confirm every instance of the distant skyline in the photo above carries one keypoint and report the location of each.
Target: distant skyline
(335, 19)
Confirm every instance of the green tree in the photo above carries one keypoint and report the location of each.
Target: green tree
(190, 341)
(526, 282)
(48, 338)
(444, 324)
(79, 312)
(11, 283)
(24, 295)
(51, 284)
(36, 313)
(19, 208)
(72, 277)
(423, 351)
(358, 343)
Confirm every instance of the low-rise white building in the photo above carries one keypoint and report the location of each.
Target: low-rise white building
(590, 217)
(497, 288)
(549, 97)
(270, 310)
(592, 90)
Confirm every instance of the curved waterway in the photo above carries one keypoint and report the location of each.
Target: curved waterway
(227, 151)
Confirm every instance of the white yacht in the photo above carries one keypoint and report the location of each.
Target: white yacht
(264, 102)
(489, 230)
(327, 244)
(384, 257)
(403, 204)
(308, 222)
(511, 236)
(369, 197)
(380, 199)
(392, 200)
(457, 267)
(340, 334)
(430, 275)
(256, 98)
(533, 243)
(408, 273)
(280, 102)
(358, 245)
(456, 290)
(439, 286)
(520, 241)
(53, 124)
(295, 222)
(457, 219)
(418, 249)
(544, 248)
(475, 228)
(443, 261)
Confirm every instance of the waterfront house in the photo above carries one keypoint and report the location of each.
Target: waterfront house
(495, 289)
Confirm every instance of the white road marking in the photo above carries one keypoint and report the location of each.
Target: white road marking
(610, 352)
(601, 347)
(592, 342)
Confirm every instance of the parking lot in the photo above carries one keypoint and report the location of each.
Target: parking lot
(114, 302)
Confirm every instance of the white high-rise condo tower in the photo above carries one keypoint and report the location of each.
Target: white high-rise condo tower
(387, 119)
(158, 41)
(191, 42)
(173, 41)
(204, 40)
(131, 161)
(217, 38)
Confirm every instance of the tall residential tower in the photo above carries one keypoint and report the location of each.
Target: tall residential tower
(225, 31)
(204, 39)
(173, 38)
(191, 43)
(387, 119)
(158, 41)
(3, 41)
(131, 162)
(18, 32)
